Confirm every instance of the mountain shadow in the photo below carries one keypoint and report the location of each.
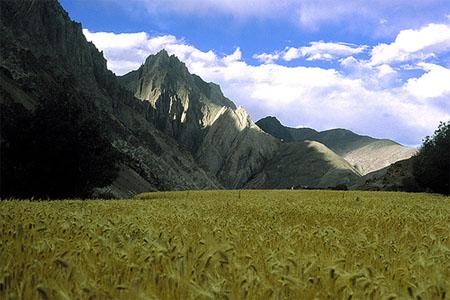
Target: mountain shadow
(44, 53)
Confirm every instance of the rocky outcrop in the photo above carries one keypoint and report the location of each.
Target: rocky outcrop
(43, 53)
(365, 153)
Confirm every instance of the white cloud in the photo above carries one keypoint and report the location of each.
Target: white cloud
(267, 58)
(325, 99)
(411, 44)
(110, 40)
(235, 56)
(380, 77)
(315, 51)
(434, 83)
(158, 41)
(329, 51)
(385, 70)
(361, 98)
(291, 54)
(127, 51)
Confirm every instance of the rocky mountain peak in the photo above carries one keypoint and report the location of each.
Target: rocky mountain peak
(222, 137)
(162, 70)
(184, 104)
(162, 53)
(163, 73)
(161, 61)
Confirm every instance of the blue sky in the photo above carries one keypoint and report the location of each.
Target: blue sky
(380, 68)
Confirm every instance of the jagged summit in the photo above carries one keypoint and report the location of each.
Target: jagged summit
(167, 73)
(164, 62)
(162, 52)
(183, 103)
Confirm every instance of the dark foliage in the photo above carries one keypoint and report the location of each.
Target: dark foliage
(58, 151)
(340, 187)
(431, 166)
(409, 184)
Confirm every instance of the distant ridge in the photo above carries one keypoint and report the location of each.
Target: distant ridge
(305, 164)
(365, 153)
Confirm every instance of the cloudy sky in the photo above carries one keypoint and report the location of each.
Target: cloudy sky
(380, 67)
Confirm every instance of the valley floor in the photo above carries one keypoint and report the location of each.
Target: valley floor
(228, 245)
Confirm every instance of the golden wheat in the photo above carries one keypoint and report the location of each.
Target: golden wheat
(228, 245)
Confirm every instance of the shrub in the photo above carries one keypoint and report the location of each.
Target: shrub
(431, 166)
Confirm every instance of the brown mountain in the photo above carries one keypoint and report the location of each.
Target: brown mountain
(223, 138)
(365, 153)
(175, 130)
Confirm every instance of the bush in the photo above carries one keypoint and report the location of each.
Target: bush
(58, 151)
(409, 184)
(431, 166)
(340, 187)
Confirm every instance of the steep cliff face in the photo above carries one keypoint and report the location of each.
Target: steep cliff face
(223, 138)
(43, 53)
(365, 153)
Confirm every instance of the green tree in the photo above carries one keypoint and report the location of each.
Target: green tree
(431, 166)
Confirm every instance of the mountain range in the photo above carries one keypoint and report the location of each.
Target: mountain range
(365, 153)
(175, 130)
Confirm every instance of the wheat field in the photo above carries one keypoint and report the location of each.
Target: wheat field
(228, 245)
